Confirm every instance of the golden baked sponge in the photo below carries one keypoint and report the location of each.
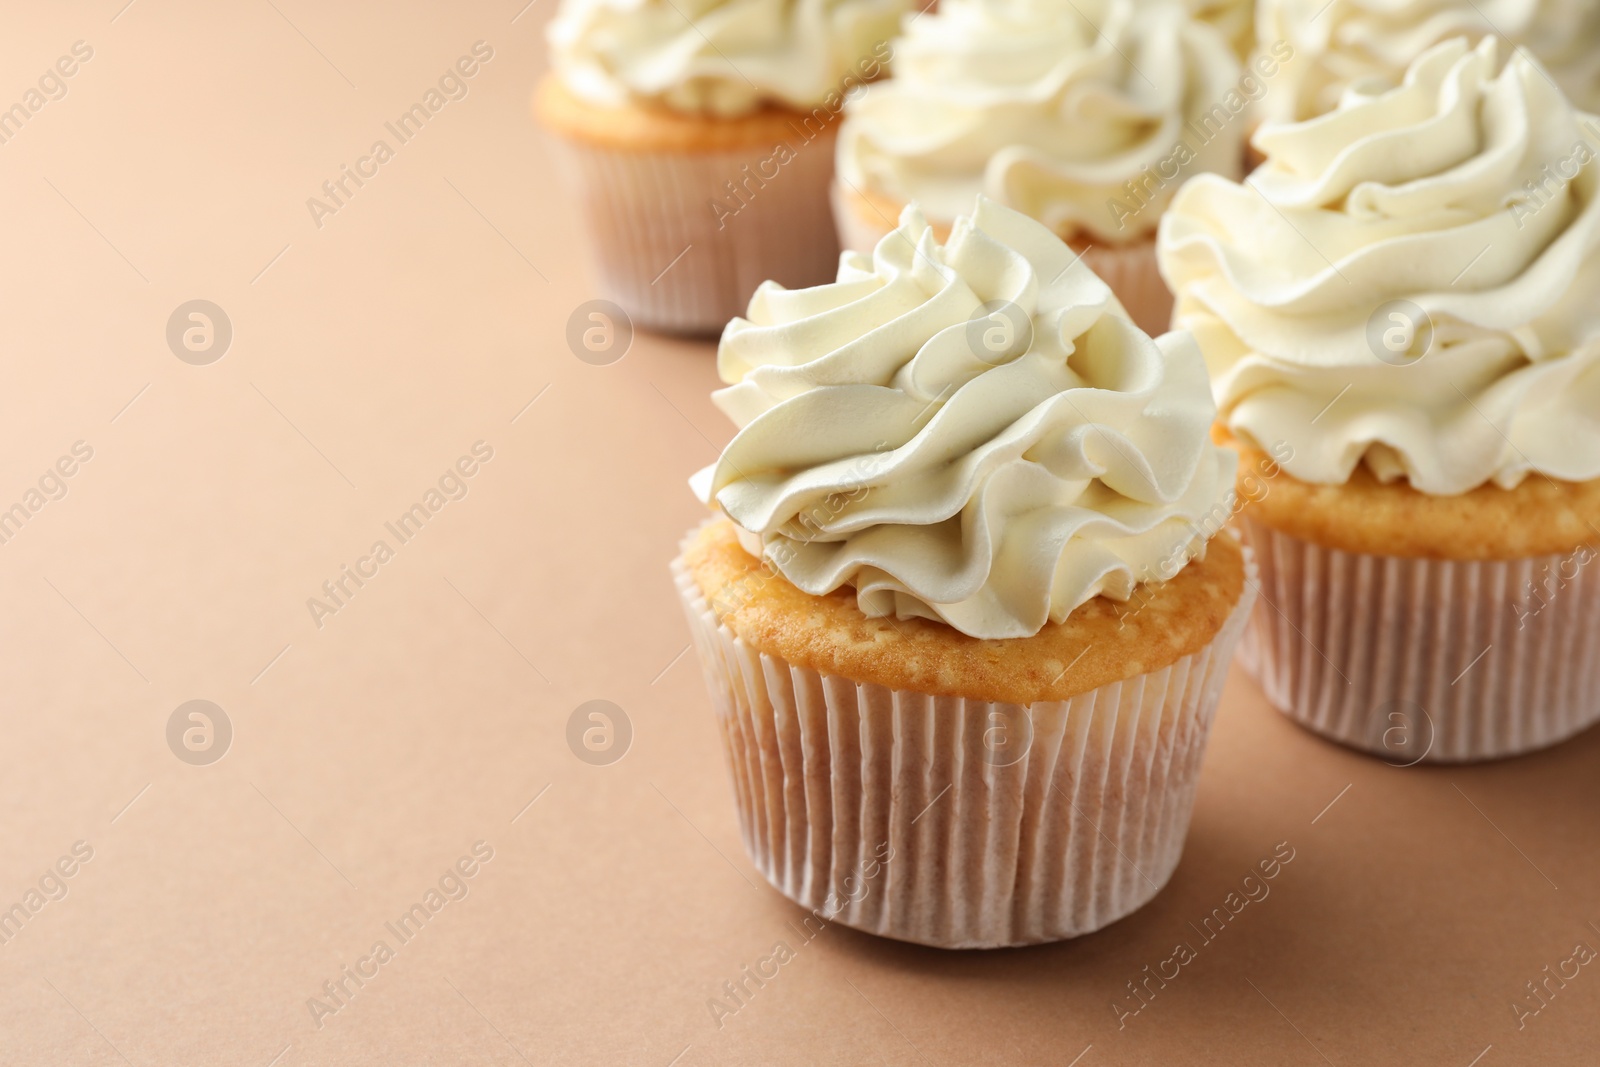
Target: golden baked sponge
(1540, 517)
(634, 128)
(1102, 642)
(882, 210)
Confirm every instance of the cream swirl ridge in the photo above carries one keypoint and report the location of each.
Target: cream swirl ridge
(1465, 203)
(1051, 107)
(721, 57)
(993, 472)
(1339, 43)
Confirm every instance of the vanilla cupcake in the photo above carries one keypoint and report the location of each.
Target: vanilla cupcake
(700, 137)
(1399, 315)
(1084, 114)
(1339, 43)
(965, 611)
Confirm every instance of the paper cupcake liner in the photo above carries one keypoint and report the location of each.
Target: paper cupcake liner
(676, 263)
(1133, 275)
(887, 811)
(1421, 660)
(1131, 270)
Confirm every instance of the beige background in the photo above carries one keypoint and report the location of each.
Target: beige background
(369, 754)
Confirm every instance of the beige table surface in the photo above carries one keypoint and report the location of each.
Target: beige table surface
(370, 754)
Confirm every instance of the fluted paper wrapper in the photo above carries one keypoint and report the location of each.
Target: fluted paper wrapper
(675, 263)
(1131, 270)
(889, 811)
(1133, 274)
(1420, 660)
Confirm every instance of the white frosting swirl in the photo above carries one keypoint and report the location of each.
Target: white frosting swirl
(1338, 43)
(1450, 193)
(883, 444)
(1234, 19)
(723, 57)
(1052, 107)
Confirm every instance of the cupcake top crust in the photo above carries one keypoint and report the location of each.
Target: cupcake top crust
(720, 57)
(973, 432)
(1085, 114)
(1408, 283)
(1339, 43)
(1100, 643)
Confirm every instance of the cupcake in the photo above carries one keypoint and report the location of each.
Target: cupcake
(964, 608)
(701, 148)
(1400, 322)
(1339, 43)
(1084, 114)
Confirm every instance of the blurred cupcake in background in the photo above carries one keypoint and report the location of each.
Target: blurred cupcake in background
(1084, 114)
(968, 602)
(1399, 315)
(700, 135)
(1338, 43)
